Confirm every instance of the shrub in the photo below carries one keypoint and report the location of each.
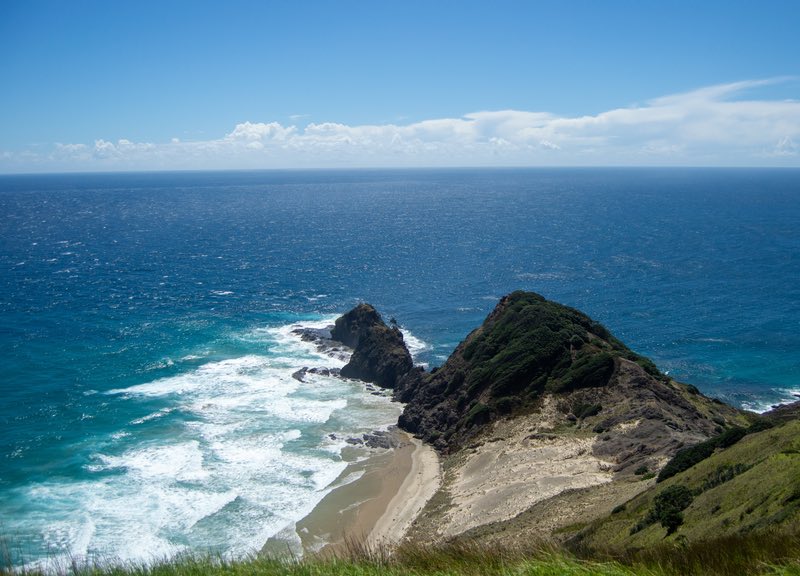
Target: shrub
(723, 474)
(669, 505)
(506, 404)
(592, 370)
(479, 414)
(688, 457)
(585, 410)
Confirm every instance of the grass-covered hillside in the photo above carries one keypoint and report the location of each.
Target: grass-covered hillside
(736, 484)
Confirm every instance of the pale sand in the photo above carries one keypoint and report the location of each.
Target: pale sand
(519, 463)
(419, 485)
(377, 508)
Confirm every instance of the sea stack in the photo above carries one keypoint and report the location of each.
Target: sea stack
(379, 354)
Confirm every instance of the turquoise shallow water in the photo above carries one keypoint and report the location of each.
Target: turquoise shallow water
(147, 400)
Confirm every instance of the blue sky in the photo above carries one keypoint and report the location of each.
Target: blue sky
(91, 85)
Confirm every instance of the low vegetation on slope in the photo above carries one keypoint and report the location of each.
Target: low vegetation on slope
(743, 487)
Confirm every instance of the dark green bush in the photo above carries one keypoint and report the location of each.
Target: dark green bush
(731, 437)
(479, 414)
(589, 371)
(668, 507)
(723, 474)
(586, 410)
(688, 457)
(506, 404)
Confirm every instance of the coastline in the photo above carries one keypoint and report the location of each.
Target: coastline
(377, 508)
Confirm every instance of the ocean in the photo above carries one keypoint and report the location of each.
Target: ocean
(146, 321)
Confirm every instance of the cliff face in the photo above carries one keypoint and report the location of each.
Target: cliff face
(379, 353)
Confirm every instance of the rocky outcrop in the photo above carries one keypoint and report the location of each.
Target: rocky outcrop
(379, 354)
(785, 412)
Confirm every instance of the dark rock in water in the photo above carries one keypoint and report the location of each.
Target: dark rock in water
(379, 354)
(350, 327)
(313, 334)
(378, 439)
(321, 338)
(300, 375)
(789, 411)
(324, 371)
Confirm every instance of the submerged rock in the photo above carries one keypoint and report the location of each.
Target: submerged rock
(300, 375)
(378, 439)
(321, 338)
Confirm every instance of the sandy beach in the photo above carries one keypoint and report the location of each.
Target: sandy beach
(378, 507)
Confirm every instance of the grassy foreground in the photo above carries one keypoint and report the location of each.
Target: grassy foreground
(776, 554)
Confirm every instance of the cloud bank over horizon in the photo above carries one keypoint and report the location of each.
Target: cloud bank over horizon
(710, 126)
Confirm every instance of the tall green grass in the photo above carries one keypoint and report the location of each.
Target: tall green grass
(768, 554)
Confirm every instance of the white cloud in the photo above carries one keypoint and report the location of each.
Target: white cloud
(250, 132)
(712, 125)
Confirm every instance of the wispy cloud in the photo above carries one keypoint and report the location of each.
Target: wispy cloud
(714, 125)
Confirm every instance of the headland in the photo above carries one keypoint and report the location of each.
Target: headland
(542, 426)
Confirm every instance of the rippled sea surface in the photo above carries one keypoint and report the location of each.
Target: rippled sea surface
(146, 398)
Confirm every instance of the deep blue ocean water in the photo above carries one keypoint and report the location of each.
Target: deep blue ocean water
(146, 398)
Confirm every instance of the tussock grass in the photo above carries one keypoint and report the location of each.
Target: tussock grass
(767, 554)
(774, 552)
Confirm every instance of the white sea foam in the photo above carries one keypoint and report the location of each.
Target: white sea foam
(161, 364)
(786, 396)
(415, 345)
(230, 453)
(154, 416)
(182, 462)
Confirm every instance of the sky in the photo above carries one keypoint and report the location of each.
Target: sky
(90, 85)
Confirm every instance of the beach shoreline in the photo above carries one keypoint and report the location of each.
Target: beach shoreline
(378, 507)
